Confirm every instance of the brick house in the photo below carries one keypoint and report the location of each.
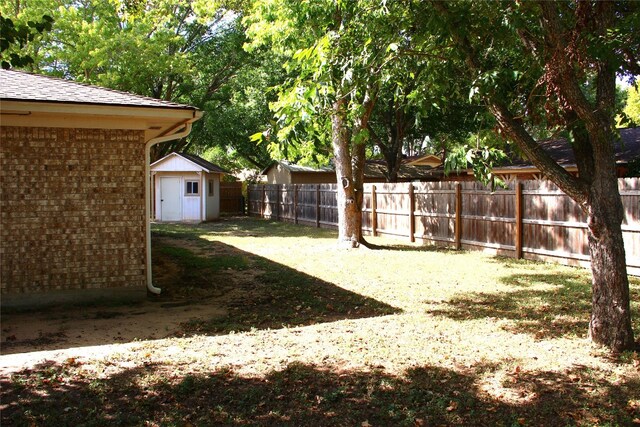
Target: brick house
(74, 187)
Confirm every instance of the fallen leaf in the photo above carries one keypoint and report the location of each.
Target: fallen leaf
(522, 421)
(453, 405)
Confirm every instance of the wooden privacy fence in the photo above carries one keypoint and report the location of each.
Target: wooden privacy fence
(528, 219)
(231, 199)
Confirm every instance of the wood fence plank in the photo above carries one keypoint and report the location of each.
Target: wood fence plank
(374, 214)
(458, 226)
(518, 220)
(412, 219)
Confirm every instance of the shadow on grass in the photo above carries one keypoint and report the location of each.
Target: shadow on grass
(561, 308)
(208, 287)
(414, 248)
(242, 226)
(253, 291)
(306, 395)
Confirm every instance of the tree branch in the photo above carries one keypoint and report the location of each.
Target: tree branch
(513, 129)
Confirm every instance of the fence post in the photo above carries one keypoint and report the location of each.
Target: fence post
(412, 208)
(374, 213)
(277, 203)
(295, 203)
(248, 201)
(518, 220)
(458, 226)
(318, 205)
(262, 203)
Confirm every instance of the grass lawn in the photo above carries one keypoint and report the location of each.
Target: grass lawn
(311, 335)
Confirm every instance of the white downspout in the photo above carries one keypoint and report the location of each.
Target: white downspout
(147, 193)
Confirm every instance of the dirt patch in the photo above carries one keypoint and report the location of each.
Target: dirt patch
(184, 300)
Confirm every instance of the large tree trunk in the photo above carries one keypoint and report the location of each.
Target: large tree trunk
(597, 192)
(349, 201)
(610, 322)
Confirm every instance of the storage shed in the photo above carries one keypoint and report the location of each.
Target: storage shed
(186, 188)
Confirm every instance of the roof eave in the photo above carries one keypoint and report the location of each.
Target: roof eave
(154, 121)
(25, 106)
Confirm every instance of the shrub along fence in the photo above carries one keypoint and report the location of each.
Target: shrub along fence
(528, 219)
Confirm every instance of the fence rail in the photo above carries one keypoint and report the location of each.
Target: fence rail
(529, 219)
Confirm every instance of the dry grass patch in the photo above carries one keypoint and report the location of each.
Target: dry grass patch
(402, 336)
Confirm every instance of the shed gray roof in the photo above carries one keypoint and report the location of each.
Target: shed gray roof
(22, 86)
(210, 167)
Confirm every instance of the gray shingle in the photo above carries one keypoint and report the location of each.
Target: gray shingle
(204, 163)
(22, 86)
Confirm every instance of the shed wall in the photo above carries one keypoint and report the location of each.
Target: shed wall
(191, 204)
(213, 198)
(72, 212)
(313, 178)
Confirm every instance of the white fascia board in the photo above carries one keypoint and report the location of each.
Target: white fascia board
(17, 107)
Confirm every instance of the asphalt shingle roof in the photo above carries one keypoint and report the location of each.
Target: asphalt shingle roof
(22, 86)
(627, 149)
(204, 163)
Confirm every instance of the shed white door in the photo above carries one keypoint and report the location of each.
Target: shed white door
(170, 199)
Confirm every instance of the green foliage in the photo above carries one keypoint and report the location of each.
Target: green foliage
(15, 36)
(482, 160)
(632, 108)
(333, 52)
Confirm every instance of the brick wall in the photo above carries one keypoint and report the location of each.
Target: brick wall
(71, 209)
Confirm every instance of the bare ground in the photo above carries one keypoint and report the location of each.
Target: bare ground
(69, 326)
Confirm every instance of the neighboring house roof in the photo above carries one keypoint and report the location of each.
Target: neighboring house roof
(374, 169)
(406, 172)
(627, 150)
(198, 161)
(297, 168)
(428, 160)
(22, 86)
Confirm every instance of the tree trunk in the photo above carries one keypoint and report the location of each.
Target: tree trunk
(610, 323)
(349, 201)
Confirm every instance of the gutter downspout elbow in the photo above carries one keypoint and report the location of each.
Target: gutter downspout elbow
(147, 194)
